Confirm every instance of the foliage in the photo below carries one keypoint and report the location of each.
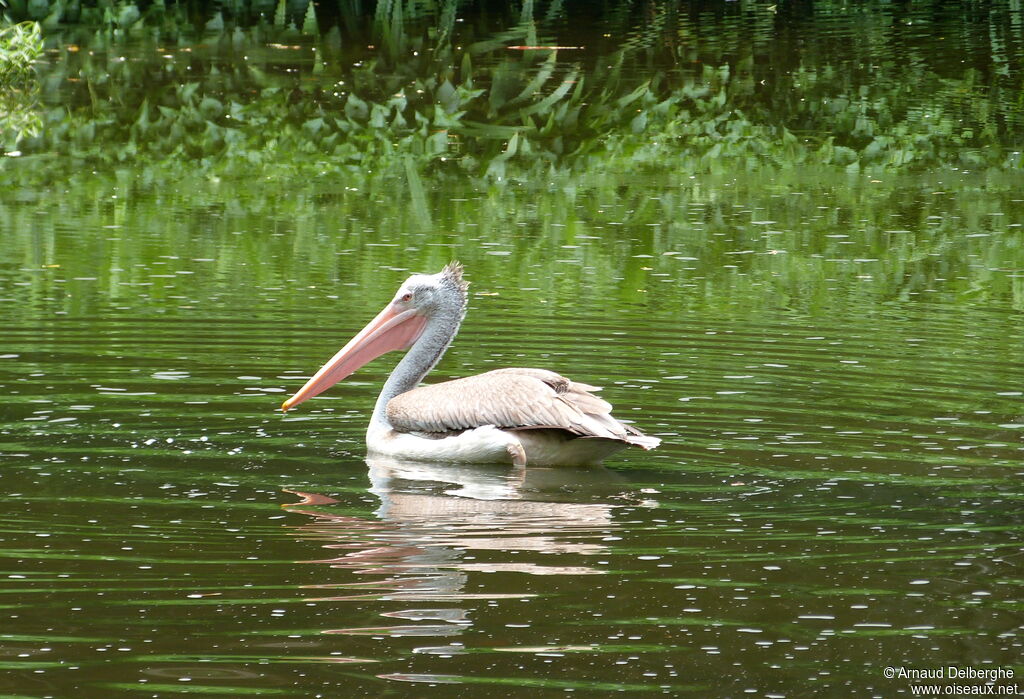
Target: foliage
(675, 249)
(20, 46)
(287, 89)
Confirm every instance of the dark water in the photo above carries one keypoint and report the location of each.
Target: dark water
(838, 490)
(834, 363)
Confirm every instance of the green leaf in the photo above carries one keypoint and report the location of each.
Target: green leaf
(638, 123)
(503, 84)
(542, 76)
(447, 96)
(554, 97)
(313, 126)
(216, 24)
(309, 25)
(356, 108)
(633, 96)
(510, 148)
(210, 107)
(378, 116)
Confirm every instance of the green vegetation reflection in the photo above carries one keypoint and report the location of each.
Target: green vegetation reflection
(299, 92)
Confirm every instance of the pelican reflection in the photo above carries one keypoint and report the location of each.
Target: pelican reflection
(438, 524)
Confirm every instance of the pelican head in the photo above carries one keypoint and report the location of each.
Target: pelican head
(432, 294)
(421, 298)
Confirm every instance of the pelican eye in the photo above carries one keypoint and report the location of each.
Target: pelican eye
(407, 297)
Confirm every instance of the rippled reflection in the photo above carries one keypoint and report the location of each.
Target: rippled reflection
(438, 522)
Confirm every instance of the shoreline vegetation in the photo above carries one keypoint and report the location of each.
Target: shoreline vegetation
(293, 90)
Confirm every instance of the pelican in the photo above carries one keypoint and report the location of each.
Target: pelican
(514, 415)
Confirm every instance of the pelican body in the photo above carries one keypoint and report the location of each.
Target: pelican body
(514, 415)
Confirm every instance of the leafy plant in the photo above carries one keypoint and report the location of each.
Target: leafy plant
(20, 46)
(289, 88)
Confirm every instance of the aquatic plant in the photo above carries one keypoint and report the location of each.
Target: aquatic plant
(20, 46)
(284, 89)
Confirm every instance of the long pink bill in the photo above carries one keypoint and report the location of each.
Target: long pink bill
(392, 329)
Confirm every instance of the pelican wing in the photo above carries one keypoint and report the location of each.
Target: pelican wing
(512, 398)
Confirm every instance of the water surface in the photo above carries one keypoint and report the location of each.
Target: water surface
(832, 359)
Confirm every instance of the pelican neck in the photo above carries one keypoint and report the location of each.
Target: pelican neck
(425, 353)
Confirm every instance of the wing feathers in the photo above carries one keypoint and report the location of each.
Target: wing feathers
(513, 399)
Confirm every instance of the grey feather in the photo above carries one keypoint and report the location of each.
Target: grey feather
(513, 398)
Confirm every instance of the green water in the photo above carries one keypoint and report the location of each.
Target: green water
(832, 357)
